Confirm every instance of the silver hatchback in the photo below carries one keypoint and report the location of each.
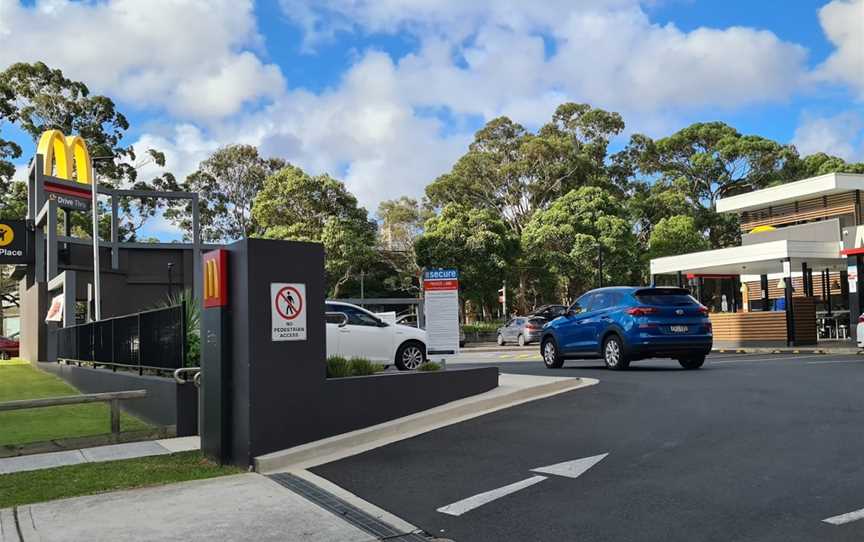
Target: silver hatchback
(521, 330)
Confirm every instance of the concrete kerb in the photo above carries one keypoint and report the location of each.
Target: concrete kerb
(513, 390)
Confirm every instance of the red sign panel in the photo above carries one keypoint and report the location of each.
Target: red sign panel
(215, 278)
(450, 284)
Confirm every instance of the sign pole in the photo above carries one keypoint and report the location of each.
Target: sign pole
(97, 288)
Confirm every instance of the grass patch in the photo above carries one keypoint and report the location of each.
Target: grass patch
(89, 478)
(40, 424)
(429, 366)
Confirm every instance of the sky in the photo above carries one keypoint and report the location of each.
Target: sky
(387, 94)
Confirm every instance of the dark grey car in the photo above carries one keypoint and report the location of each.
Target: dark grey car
(521, 330)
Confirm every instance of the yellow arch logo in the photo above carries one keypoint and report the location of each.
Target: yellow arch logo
(211, 280)
(64, 151)
(761, 229)
(7, 235)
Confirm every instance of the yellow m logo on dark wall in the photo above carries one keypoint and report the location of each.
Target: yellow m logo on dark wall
(68, 153)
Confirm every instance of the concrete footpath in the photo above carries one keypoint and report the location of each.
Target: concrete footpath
(110, 452)
(239, 507)
(295, 505)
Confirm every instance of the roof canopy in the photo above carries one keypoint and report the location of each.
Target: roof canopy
(755, 259)
(824, 185)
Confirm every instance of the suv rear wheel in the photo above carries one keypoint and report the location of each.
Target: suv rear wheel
(500, 340)
(692, 362)
(613, 353)
(551, 357)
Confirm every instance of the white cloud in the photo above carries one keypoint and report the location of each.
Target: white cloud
(843, 23)
(839, 135)
(185, 146)
(606, 52)
(193, 58)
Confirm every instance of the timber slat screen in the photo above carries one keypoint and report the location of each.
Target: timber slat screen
(749, 326)
(834, 285)
(802, 211)
(152, 339)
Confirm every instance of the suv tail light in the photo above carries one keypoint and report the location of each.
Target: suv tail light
(861, 319)
(703, 310)
(641, 311)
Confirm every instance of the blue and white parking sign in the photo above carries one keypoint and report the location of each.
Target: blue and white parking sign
(440, 274)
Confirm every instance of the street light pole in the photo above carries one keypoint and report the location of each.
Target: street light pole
(97, 285)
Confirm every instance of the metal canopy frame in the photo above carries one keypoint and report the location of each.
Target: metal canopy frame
(43, 212)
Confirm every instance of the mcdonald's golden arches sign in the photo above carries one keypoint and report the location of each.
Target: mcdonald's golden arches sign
(215, 278)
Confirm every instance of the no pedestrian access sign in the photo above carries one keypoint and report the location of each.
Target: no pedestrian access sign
(288, 311)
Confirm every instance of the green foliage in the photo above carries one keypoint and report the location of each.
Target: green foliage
(193, 323)
(227, 183)
(709, 161)
(483, 327)
(676, 235)
(568, 236)
(337, 367)
(363, 367)
(294, 205)
(36, 98)
(475, 241)
(429, 366)
(513, 173)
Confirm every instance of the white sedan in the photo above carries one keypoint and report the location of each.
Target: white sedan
(359, 333)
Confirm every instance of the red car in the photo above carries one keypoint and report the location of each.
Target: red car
(8, 347)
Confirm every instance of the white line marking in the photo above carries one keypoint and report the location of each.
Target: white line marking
(833, 361)
(845, 518)
(571, 469)
(465, 505)
(779, 358)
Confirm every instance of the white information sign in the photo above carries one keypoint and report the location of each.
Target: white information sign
(288, 311)
(441, 308)
(852, 273)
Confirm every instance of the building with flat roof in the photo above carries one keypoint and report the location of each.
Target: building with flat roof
(795, 277)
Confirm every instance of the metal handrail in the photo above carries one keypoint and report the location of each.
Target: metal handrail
(179, 374)
(113, 398)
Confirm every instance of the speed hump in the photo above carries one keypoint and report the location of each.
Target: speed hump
(288, 311)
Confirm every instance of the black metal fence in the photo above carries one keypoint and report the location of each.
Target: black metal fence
(152, 339)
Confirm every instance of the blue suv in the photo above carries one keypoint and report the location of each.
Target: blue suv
(625, 324)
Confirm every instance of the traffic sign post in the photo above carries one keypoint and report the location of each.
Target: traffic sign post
(441, 307)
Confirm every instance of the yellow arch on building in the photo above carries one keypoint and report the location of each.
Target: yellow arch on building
(68, 153)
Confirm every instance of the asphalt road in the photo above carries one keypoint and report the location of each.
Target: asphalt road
(751, 447)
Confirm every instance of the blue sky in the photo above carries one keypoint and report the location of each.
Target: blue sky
(386, 94)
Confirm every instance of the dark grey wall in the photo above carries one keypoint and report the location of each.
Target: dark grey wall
(34, 307)
(278, 391)
(160, 407)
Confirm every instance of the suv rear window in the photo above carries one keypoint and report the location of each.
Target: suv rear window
(537, 321)
(666, 299)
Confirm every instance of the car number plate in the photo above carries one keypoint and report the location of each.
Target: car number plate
(678, 329)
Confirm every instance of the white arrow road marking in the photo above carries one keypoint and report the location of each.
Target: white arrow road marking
(845, 518)
(568, 469)
(460, 507)
(571, 469)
